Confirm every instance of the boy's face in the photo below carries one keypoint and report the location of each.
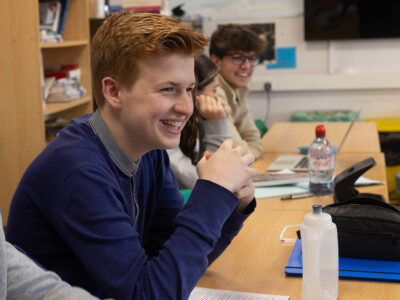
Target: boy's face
(156, 108)
(237, 75)
(210, 89)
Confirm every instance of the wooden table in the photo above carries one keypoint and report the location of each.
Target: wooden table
(287, 136)
(342, 162)
(256, 259)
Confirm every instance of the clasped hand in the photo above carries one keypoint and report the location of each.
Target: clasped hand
(210, 108)
(232, 170)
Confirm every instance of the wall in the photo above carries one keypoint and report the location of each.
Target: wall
(355, 74)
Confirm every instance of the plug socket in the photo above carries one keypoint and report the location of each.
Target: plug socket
(267, 87)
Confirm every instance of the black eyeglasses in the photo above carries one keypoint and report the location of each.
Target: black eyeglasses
(238, 59)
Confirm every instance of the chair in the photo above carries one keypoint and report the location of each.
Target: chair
(261, 127)
(186, 194)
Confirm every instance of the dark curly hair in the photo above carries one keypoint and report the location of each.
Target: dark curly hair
(205, 71)
(235, 37)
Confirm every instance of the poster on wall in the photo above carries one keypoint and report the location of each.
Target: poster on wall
(267, 32)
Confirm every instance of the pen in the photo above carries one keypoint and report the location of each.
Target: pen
(299, 196)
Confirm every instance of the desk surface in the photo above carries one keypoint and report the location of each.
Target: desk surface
(287, 136)
(256, 259)
(342, 162)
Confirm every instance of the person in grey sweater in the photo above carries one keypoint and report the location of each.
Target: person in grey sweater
(206, 129)
(22, 278)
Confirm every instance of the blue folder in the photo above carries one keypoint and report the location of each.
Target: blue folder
(349, 268)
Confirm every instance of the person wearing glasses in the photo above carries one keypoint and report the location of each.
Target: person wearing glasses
(206, 129)
(234, 49)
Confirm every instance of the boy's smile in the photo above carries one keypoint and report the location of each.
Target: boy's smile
(156, 108)
(237, 76)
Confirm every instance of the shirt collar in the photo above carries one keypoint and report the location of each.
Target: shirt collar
(122, 161)
(239, 93)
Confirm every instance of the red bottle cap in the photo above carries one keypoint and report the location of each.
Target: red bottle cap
(320, 130)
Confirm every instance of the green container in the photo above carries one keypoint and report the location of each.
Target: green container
(323, 115)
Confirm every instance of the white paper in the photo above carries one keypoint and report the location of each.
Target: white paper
(299, 188)
(212, 294)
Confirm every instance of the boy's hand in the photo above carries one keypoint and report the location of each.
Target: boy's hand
(245, 195)
(231, 169)
(210, 108)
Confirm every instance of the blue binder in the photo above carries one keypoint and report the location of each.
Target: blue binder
(349, 268)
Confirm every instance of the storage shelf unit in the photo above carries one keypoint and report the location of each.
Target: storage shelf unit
(23, 112)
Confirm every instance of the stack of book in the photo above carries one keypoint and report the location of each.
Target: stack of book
(52, 17)
(153, 6)
(62, 84)
(53, 128)
(65, 90)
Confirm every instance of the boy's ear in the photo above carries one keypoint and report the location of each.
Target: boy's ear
(215, 59)
(111, 92)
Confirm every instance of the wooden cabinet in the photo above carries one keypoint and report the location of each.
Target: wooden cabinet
(23, 112)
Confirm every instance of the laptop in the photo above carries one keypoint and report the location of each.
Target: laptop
(300, 162)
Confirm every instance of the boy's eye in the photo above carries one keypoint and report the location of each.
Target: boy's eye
(189, 90)
(168, 89)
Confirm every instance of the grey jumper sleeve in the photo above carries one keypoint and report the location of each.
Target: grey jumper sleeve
(22, 278)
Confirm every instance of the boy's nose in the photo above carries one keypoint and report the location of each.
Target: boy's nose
(184, 104)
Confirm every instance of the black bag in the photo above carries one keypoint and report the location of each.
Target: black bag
(368, 227)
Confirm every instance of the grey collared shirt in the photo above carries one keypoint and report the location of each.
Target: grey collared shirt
(119, 157)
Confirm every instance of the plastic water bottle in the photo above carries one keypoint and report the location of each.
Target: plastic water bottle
(320, 252)
(320, 164)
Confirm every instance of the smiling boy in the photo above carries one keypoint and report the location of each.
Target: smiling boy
(234, 49)
(100, 205)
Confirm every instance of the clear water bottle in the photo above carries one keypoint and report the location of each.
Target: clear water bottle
(320, 252)
(320, 164)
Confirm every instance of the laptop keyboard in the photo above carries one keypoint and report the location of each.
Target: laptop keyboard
(302, 164)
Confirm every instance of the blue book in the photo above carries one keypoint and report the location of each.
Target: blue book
(63, 15)
(349, 268)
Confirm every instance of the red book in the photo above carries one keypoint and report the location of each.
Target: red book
(62, 72)
(153, 9)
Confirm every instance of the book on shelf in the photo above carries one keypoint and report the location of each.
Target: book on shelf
(62, 84)
(136, 3)
(143, 5)
(50, 37)
(53, 128)
(149, 9)
(49, 15)
(48, 84)
(63, 15)
(67, 95)
(64, 71)
(52, 18)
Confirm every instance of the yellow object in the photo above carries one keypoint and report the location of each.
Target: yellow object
(389, 125)
(386, 124)
(391, 183)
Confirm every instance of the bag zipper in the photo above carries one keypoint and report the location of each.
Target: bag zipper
(393, 235)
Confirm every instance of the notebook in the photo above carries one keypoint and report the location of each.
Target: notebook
(364, 269)
(300, 162)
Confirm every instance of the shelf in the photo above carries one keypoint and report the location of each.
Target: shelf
(71, 43)
(51, 108)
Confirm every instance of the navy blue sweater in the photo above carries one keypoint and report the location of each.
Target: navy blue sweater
(75, 213)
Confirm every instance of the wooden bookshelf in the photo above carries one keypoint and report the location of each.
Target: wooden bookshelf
(22, 128)
(64, 44)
